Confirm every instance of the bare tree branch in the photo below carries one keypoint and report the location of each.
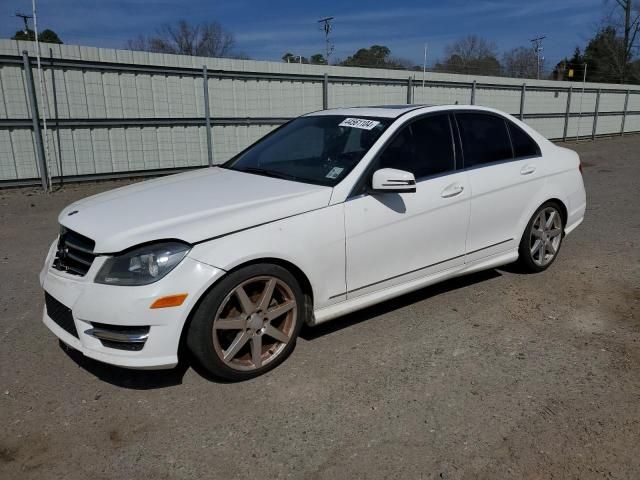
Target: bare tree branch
(207, 39)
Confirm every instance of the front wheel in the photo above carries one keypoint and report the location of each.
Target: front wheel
(542, 238)
(248, 323)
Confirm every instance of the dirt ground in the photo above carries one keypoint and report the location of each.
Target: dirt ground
(496, 375)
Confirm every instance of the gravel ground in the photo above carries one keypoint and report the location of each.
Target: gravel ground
(496, 375)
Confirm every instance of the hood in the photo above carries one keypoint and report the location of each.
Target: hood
(192, 207)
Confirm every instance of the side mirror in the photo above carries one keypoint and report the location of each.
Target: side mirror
(391, 180)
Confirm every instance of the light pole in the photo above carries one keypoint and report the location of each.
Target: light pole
(424, 69)
(584, 80)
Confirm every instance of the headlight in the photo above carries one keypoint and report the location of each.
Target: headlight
(143, 265)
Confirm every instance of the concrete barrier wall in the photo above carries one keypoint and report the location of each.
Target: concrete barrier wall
(116, 111)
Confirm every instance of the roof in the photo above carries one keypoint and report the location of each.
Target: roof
(394, 111)
(385, 111)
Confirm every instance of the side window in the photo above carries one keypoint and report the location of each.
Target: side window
(400, 152)
(484, 138)
(424, 148)
(523, 144)
(434, 145)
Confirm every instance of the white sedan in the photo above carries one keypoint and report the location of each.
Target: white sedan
(332, 212)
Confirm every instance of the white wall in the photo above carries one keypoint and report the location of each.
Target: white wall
(91, 94)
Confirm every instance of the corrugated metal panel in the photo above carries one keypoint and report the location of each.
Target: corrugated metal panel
(14, 93)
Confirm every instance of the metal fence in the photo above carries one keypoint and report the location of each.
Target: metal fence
(116, 113)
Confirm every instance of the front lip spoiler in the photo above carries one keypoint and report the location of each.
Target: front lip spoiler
(132, 336)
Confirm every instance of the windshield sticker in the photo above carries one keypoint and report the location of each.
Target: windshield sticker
(359, 123)
(334, 172)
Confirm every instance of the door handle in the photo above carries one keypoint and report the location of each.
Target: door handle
(452, 190)
(527, 170)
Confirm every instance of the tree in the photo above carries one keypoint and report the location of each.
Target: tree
(47, 36)
(604, 58)
(28, 35)
(565, 66)
(521, 62)
(634, 72)
(630, 26)
(611, 55)
(614, 45)
(376, 56)
(207, 39)
(291, 58)
(318, 59)
(471, 55)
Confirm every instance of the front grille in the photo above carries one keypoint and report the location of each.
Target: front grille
(60, 314)
(75, 253)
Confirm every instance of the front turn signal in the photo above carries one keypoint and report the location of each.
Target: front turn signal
(169, 301)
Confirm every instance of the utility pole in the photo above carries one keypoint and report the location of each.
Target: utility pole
(537, 48)
(25, 18)
(631, 29)
(327, 27)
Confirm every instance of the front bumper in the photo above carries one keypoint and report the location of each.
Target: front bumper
(107, 305)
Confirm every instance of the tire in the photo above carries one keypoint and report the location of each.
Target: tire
(237, 333)
(539, 246)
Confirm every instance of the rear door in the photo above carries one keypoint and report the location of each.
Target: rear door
(393, 238)
(504, 173)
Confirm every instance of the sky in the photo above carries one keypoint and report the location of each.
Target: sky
(265, 30)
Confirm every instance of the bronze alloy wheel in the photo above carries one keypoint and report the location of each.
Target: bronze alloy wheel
(254, 323)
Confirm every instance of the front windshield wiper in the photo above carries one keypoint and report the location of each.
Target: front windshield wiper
(267, 173)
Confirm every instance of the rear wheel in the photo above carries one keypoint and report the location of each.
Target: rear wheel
(248, 323)
(542, 238)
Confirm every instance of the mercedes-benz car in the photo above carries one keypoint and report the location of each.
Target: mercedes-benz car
(329, 213)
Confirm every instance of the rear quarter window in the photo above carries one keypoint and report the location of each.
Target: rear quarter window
(523, 144)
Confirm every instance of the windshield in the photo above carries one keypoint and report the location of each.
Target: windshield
(318, 149)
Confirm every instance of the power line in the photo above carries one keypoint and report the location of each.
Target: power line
(25, 18)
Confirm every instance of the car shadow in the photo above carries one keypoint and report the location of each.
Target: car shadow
(156, 379)
(128, 378)
(310, 333)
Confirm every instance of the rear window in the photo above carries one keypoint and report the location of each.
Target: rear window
(485, 138)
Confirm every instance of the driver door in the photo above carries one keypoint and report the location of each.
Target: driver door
(394, 238)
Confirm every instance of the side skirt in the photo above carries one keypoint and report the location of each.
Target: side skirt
(342, 308)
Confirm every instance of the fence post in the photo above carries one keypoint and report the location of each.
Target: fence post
(624, 113)
(409, 90)
(207, 115)
(325, 92)
(473, 93)
(55, 112)
(35, 119)
(595, 116)
(567, 114)
(522, 95)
